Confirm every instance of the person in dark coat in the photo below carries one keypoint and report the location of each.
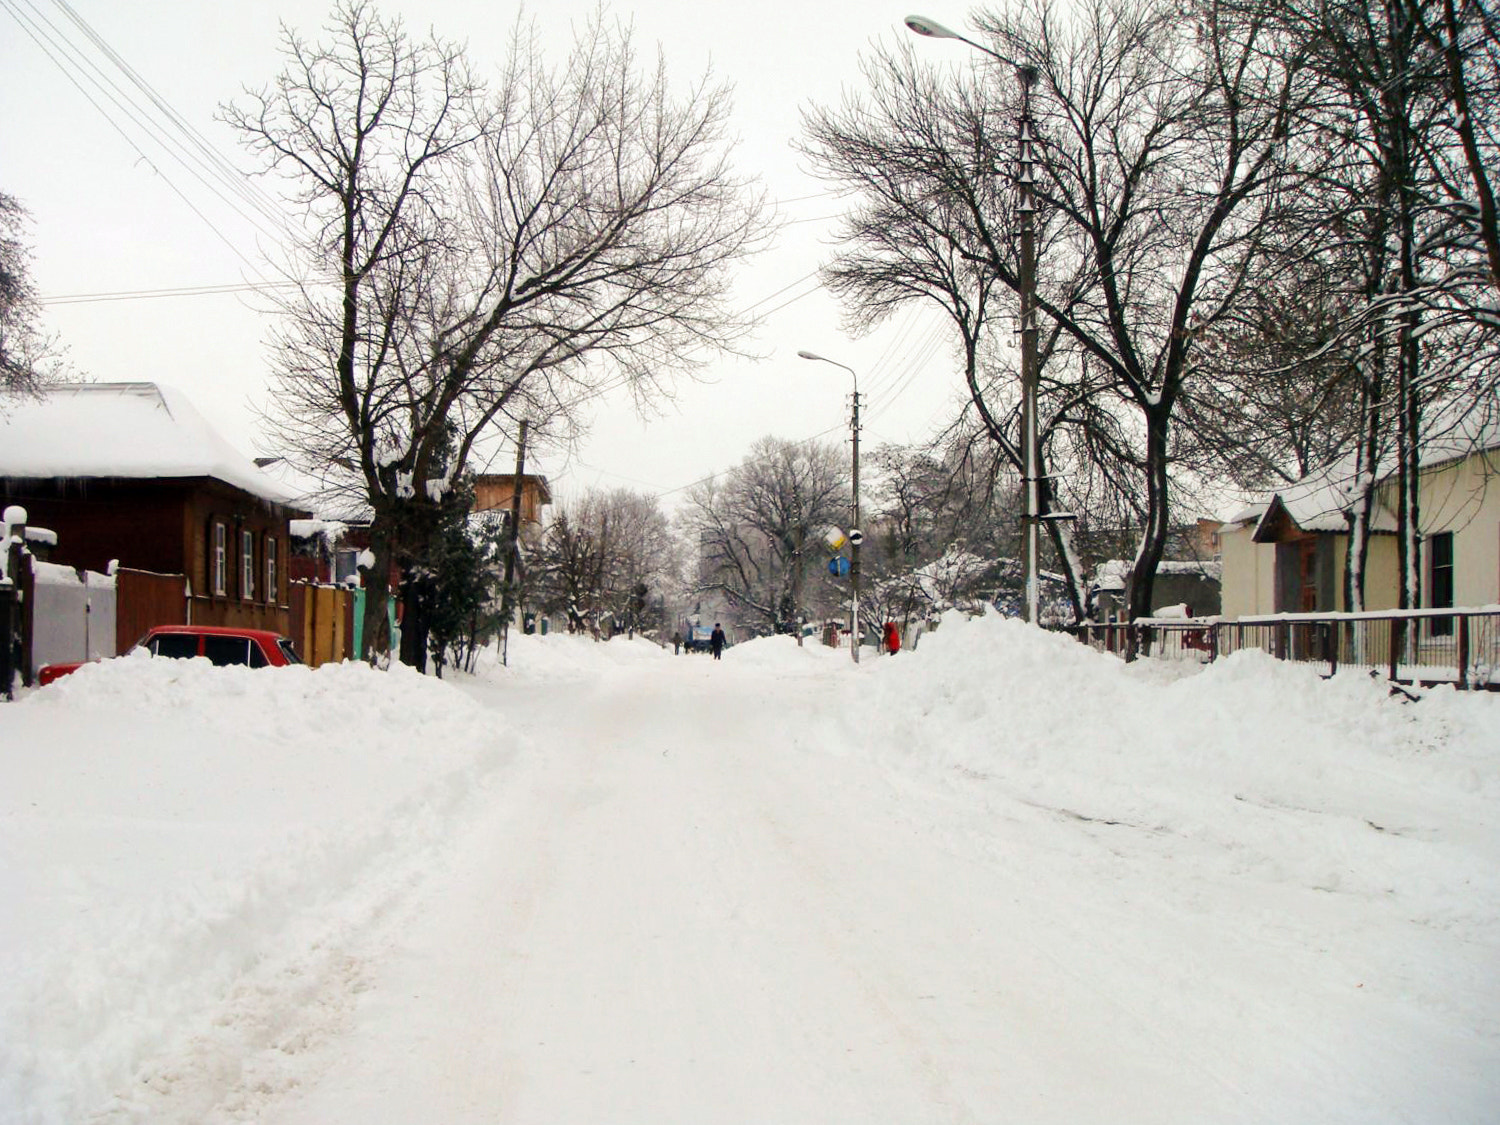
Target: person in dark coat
(716, 640)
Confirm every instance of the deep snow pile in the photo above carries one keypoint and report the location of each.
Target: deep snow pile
(170, 831)
(1335, 784)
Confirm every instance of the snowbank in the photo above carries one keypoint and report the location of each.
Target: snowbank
(169, 829)
(1251, 752)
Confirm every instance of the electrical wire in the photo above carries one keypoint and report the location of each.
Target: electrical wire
(225, 171)
(127, 115)
(179, 291)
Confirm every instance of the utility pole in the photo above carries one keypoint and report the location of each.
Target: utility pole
(507, 595)
(1026, 287)
(856, 534)
(1026, 207)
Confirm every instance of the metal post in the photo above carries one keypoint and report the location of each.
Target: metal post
(1026, 287)
(853, 538)
(854, 544)
(1026, 207)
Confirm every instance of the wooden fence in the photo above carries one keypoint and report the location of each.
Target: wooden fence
(322, 622)
(144, 599)
(1424, 646)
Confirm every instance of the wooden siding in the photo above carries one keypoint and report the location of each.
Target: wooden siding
(97, 521)
(143, 599)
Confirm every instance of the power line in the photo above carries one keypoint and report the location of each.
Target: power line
(77, 68)
(178, 291)
(226, 172)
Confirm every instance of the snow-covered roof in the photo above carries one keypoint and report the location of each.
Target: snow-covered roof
(310, 529)
(124, 430)
(1114, 574)
(1317, 502)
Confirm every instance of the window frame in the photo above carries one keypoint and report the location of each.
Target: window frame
(1440, 575)
(218, 561)
(247, 564)
(273, 589)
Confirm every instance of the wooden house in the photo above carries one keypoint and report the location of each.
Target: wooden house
(496, 491)
(132, 474)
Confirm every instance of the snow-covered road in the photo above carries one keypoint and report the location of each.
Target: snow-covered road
(668, 917)
(776, 889)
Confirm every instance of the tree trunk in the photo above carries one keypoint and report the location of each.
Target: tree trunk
(1158, 515)
(416, 619)
(376, 641)
(1061, 535)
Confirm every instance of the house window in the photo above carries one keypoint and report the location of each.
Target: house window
(273, 590)
(219, 559)
(247, 565)
(345, 566)
(1440, 580)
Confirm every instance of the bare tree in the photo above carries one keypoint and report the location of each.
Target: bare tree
(1377, 215)
(29, 358)
(603, 558)
(759, 530)
(492, 256)
(1467, 35)
(1278, 392)
(893, 252)
(1162, 128)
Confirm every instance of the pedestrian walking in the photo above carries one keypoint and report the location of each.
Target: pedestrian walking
(716, 640)
(677, 642)
(892, 638)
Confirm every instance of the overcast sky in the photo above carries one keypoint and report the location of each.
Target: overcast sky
(114, 214)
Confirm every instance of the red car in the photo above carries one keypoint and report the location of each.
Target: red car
(222, 644)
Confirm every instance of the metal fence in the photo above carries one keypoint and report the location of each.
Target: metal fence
(1460, 647)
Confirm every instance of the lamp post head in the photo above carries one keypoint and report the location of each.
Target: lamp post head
(934, 30)
(836, 363)
(930, 28)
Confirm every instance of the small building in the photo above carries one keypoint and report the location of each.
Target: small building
(496, 492)
(1286, 551)
(131, 474)
(1194, 583)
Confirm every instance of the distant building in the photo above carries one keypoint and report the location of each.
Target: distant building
(495, 492)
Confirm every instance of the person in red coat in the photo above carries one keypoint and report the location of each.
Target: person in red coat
(892, 638)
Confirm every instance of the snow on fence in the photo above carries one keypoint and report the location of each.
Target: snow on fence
(1423, 646)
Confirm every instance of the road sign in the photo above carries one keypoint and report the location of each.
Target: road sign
(838, 566)
(856, 537)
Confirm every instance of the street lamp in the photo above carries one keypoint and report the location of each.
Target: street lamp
(854, 533)
(1026, 290)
